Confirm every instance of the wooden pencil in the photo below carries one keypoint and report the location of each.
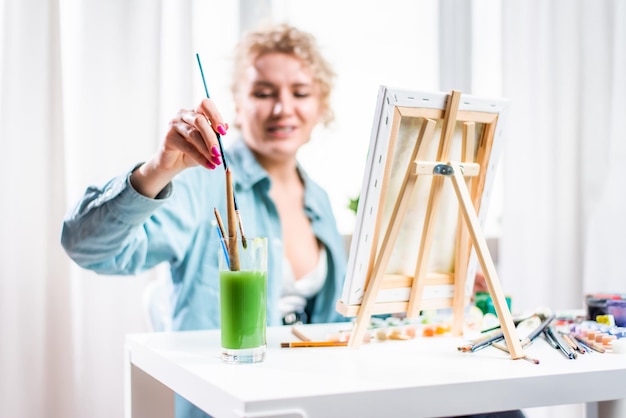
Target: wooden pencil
(295, 331)
(296, 344)
(571, 342)
(579, 347)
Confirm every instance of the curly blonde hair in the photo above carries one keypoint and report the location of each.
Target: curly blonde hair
(289, 40)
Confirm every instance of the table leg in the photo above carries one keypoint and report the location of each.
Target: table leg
(146, 397)
(612, 409)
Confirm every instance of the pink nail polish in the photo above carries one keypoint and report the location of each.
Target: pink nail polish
(215, 151)
(221, 129)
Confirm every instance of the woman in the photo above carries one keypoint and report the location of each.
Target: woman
(162, 209)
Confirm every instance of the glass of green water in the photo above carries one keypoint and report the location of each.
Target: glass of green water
(243, 299)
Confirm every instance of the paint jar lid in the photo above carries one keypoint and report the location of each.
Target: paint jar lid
(597, 303)
(617, 308)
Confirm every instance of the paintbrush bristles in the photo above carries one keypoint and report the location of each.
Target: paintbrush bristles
(233, 251)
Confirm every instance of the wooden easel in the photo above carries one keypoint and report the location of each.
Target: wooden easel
(468, 233)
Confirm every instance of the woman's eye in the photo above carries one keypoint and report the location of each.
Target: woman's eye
(262, 94)
(301, 94)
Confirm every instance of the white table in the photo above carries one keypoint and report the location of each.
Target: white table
(424, 377)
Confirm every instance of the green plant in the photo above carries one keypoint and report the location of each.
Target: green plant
(353, 204)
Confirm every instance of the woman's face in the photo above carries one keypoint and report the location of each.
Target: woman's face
(278, 106)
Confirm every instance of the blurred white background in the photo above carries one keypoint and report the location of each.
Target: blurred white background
(87, 89)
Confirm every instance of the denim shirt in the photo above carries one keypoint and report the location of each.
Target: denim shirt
(115, 230)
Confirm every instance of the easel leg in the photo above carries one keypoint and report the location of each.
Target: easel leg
(463, 244)
(480, 244)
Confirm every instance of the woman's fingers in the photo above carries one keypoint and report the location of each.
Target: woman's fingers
(207, 107)
(189, 151)
(192, 138)
(196, 131)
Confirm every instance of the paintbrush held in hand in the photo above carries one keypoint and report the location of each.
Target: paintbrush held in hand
(219, 142)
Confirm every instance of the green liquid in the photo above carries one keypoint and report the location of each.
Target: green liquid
(242, 308)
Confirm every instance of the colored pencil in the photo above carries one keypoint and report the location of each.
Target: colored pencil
(297, 344)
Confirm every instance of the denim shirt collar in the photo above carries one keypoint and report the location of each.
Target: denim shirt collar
(251, 173)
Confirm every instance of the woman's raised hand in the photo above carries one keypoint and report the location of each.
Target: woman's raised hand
(191, 140)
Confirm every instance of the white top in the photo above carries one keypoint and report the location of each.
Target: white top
(296, 292)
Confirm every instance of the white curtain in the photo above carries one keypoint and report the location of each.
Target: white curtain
(563, 217)
(564, 206)
(35, 329)
(87, 88)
